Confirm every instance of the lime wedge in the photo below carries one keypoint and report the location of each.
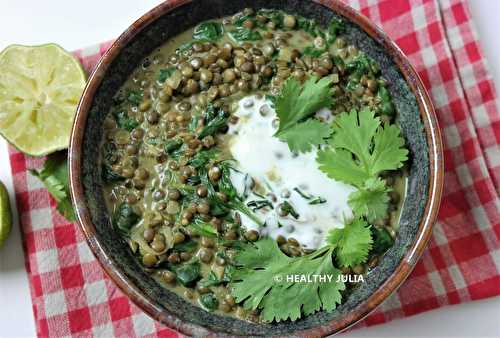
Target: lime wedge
(5, 214)
(39, 90)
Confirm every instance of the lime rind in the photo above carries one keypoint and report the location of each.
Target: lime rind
(5, 215)
(40, 87)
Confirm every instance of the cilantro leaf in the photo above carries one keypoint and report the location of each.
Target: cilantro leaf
(254, 282)
(298, 101)
(361, 148)
(352, 243)
(303, 136)
(370, 201)
(54, 175)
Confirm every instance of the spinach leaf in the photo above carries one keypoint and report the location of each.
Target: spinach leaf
(241, 34)
(211, 280)
(312, 51)
(135, 96)
(272, 15)
(186, 246)
(335, 27)
(165, 74)
(210, 31)
(382, 240)
(209, 301)
(109, 175)
(124, 121)
(387, 107)
(184, 47)
(310, 26)
(172, 146)
(188, 274)
(242, 18)
(125, 218)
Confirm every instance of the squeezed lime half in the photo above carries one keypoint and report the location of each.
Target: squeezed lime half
(40, 87)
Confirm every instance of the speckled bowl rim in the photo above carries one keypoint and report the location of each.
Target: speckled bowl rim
(368, 305)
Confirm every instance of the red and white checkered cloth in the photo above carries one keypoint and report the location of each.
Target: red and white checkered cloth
(72, 295)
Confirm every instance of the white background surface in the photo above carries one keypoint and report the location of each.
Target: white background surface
(75, 24)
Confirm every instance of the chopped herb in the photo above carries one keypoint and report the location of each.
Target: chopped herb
(215, 120)
(193, 123)
(287, 207)
(218, 207)
(317, 200)
(312, 199)
(259, 204)
(202, 158)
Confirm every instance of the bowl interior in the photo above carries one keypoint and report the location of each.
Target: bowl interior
(116, 250)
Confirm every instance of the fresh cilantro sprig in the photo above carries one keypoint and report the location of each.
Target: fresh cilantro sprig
(260, 282)
(351, 243)
(361, 148)
(264, 275)
(371, 200)
(54, 176)
(295, 104)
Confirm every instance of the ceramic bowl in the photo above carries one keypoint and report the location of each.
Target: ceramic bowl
(418, 124)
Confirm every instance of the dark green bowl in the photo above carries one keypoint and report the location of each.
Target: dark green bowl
(418, 124)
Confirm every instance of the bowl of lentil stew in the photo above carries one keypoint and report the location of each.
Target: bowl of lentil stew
(142, 259)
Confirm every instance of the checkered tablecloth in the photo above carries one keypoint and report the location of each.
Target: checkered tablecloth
(73, 297)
